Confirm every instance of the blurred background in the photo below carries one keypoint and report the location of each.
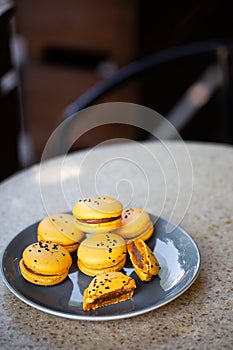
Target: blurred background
(51, 52)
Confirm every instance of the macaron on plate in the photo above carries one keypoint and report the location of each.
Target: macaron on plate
(65, 299)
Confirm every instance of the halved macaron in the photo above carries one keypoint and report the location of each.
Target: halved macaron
(98, 214)
(106, 289)
(45, 264)
(60, 229)
(143, 259)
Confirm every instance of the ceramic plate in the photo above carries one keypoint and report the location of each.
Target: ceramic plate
(178, 256)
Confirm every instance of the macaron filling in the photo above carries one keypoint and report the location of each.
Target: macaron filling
(35, 272)
(99, 221)
(112, 297)
(136, 255)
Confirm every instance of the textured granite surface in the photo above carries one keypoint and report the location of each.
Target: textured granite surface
(143, 175)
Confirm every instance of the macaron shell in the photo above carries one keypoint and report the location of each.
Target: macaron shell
(136, 223)
(101, 253)
(95, 271)
(145, 235)
(97, 208)
(72, 248)
(143, 259)
(41, 280)
(108, 288)
(47, 258)
(98, 228)
(59, 228)
(102, 250)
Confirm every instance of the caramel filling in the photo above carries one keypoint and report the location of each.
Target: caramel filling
(99, 221)
(112, 297)
(137, 255)
(36, 273)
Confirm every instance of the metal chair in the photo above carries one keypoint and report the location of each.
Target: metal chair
(195, 97)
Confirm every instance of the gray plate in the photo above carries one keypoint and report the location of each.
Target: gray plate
(178, 257)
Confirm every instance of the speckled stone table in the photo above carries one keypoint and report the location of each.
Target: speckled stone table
(199, 189)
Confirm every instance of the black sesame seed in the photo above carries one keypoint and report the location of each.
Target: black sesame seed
(35, 260)
(107, 287)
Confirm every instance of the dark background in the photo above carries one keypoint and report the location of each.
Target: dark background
(71, 45)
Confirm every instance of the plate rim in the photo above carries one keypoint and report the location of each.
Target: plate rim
(111, 317)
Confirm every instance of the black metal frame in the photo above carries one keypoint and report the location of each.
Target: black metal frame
(140, 66)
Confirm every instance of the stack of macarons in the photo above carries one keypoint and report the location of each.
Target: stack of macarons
(106, 214)
(101, 234)
(47, 261)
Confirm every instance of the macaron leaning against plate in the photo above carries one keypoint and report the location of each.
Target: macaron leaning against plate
(97, 214)
(143, 260)
(60, 229)
(45, 264)
(101, 253)
(106, 289)
(136, 223)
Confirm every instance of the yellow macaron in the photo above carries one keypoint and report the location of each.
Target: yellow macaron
(60, 229)
(97, 214)
(143, 259)
(135, 224)
(101, 253)
(106, 289)
(45, 264)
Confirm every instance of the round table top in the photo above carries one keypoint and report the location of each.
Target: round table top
(190, 183)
